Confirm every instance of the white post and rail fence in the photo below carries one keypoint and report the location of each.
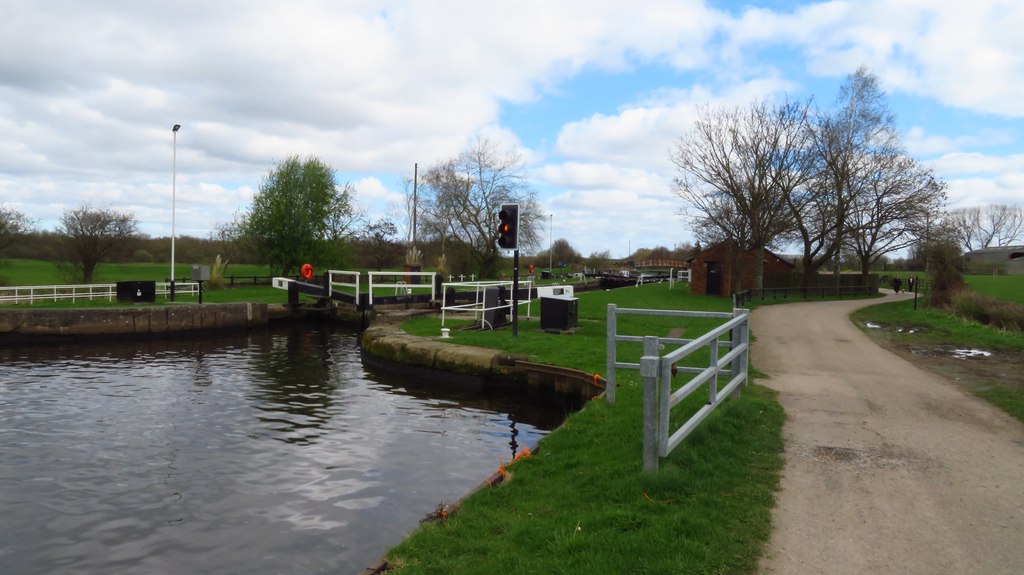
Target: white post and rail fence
(728, 361)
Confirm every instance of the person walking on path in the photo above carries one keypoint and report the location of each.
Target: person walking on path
(888, 468)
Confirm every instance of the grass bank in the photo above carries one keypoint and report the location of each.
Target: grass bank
(581, 504)
(927, 335)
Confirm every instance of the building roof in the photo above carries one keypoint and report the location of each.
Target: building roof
(767, 252)
(997, 250)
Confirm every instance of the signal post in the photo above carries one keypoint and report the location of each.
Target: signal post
(508, 239)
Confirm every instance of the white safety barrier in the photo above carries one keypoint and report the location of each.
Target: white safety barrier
(657, 370)
(83, 292)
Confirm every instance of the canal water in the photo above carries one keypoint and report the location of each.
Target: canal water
(271, 452)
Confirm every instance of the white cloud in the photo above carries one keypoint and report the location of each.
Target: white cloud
(88, 93)
(966, 192)
(974, 163)
(920, 143)
(968, 55)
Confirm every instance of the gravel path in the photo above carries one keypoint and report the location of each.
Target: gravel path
(889, 468)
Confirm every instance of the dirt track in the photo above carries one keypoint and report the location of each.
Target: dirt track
(889, 468)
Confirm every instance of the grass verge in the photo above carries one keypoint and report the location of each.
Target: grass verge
(932, 333)
(582, 504)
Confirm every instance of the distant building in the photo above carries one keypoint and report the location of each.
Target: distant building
(1009, 259)
(714, 270)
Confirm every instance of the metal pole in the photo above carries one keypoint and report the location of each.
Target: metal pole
(649, 365)
(415, 173)
(609, 376)
(515, 293)
(174, 194)
(551, 218)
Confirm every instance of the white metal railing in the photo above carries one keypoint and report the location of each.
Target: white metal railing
(163, 288)
(675, 275)
(657, 370)
(76, 292)
(478, 306)
(401, 284)
(353, 282)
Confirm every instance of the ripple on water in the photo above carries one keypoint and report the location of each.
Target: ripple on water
(272, 452)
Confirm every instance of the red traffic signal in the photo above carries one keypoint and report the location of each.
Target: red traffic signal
(508, 227)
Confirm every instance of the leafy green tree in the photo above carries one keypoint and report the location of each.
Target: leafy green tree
(300, 215)
(92, 234)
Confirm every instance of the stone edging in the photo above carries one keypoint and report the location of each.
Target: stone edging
(130, 321)
(389, 343)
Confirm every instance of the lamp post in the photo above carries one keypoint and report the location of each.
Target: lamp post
(551, 218)
(174, 186)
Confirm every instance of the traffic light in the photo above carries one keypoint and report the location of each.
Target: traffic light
(508, 227)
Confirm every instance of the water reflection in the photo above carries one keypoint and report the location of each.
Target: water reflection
(269, 452)
(296, 384)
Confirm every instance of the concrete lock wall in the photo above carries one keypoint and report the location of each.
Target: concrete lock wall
(130, 320)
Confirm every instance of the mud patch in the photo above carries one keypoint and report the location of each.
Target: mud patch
(950, 351)
(894, 328)
(975, 371)
(971, 353)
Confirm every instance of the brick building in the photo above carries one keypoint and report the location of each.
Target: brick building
(724, 269)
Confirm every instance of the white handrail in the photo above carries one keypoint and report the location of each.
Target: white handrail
(75, 292)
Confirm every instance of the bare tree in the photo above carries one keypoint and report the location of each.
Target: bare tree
(844, 141)
(91, 234)
(737, 170)
(899, 200)
(12, 225)
(378, 242)
(994, 225)
(561, 253)
(460, 199)
(599, 260)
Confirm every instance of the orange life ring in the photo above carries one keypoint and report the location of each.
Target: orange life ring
(307, 271)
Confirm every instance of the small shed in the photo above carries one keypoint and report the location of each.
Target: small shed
(1009, 259)
(724, 268)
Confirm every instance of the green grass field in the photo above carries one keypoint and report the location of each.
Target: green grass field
(1009, 288)
(42, 273)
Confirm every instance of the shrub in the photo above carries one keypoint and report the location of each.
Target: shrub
(989, 311)
(946, 279)
(217, 273)
(142, 256)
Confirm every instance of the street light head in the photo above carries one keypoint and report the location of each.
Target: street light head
(176, 127)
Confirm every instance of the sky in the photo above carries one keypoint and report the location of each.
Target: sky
(593, 94)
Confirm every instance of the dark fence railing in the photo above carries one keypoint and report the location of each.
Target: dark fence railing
(233, 281)
(253, 280)
(746, 296)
